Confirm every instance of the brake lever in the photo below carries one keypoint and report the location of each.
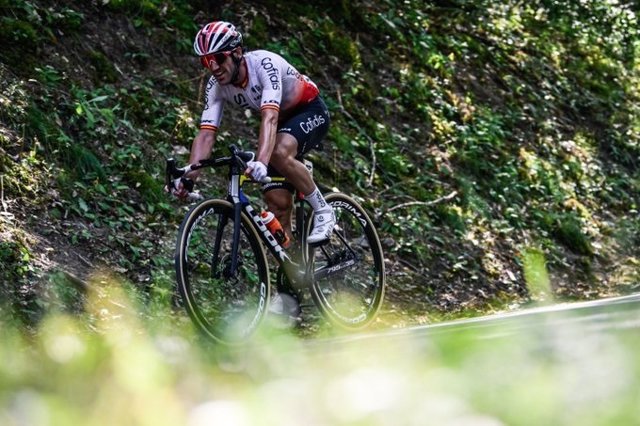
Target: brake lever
(175, 175)
(235, 152)
(170, 170)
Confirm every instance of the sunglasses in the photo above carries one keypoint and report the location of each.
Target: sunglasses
(218, 58)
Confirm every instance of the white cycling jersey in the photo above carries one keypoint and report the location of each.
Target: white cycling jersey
(271, 83)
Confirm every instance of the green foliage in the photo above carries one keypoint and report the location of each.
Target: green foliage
(517, 101)
(502, 122)
(14, 262)
(340, 44)
(535, 272)
(27, 27)
(16, 270)
(16, 31)
(131, 353)
(65, 19)
(91, 140)
(568, 230)
(105, 71)
(146, 13)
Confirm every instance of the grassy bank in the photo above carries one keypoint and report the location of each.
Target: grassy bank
(476, 135)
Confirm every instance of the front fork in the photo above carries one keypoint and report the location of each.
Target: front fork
(237, 200)
(237, 210)
(232, 270)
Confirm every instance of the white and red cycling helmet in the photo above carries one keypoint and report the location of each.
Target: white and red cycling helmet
(217, 36)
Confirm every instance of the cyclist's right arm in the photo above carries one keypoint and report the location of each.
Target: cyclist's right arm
(201, 149)
(204, 141)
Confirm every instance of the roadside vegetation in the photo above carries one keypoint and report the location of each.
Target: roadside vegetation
(111, 364)
(494, 142)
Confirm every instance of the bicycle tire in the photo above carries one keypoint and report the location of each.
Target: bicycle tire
(351, 296)
(228, 309)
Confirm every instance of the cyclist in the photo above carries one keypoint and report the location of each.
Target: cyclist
(294, 120)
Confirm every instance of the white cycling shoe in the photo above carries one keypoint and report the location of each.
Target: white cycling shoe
(323, 223)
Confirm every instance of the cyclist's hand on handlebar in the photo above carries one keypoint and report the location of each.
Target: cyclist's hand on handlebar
(180, 181)
(180, 190)
(257, 170)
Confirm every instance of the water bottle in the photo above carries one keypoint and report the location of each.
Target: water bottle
(275, 227)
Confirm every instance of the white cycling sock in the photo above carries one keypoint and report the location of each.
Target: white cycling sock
(317, 201)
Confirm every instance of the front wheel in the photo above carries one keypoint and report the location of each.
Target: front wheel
(349, 278)
(225, 301)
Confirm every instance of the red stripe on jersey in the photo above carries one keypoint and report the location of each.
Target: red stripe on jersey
(270, 106)
(208, 127)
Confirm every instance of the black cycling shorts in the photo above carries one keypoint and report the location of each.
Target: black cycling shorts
(309, 125)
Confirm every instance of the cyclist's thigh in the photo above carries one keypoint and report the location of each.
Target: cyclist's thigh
(308, 127)
(286, 146)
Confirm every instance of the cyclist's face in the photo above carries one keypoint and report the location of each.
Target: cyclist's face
(220, 64)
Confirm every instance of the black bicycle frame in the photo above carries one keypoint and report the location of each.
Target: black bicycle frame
(292, 270)
(237, 163)
(240, 202)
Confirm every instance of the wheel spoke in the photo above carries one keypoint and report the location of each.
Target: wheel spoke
(349, 269)
(227, 305)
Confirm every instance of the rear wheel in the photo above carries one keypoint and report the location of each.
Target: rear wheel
(349, 277)
(228, 306)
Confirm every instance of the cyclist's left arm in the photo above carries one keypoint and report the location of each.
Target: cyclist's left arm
(201, 148)
(270, 76)
(267, 138)
(266, 143)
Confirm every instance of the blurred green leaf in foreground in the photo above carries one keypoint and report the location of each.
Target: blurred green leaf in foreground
(111, 364)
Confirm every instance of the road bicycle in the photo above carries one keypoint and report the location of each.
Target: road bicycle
(221, 265)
